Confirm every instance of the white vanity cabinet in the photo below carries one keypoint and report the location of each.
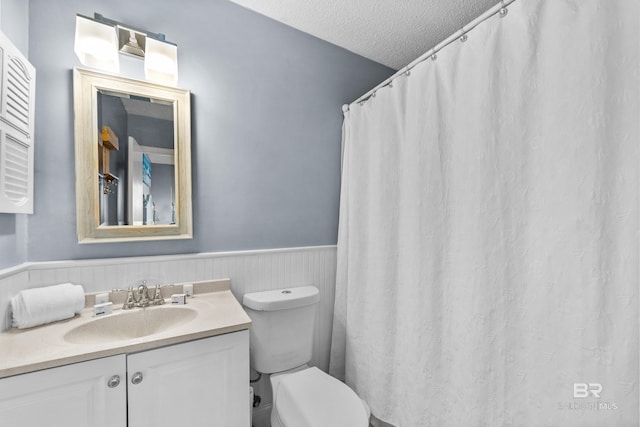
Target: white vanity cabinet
(198, 383)
(75, 395)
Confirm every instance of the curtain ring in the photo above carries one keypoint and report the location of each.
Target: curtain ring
(463, 35)
(433, 56)
(503, 10)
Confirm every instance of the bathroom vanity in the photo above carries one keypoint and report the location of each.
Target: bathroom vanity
(193, 372)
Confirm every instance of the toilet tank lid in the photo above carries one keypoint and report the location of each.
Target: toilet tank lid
(281, 299)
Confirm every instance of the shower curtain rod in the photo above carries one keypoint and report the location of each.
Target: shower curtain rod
(500, 8)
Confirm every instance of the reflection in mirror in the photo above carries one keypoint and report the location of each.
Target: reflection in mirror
(136, 171)
(133, 159)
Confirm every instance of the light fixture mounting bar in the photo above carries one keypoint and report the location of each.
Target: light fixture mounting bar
(157, 36)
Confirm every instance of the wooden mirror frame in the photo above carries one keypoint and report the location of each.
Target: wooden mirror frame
(86, 85)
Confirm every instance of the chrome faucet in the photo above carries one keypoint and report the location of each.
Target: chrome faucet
(141, 297)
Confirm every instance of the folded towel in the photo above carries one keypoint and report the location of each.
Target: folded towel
(33, 307)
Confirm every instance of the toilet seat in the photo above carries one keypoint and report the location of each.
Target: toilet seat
(312, 398)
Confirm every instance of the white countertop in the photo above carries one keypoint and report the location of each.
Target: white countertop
(42, 347)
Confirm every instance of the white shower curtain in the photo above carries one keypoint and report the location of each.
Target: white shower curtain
(488, 239)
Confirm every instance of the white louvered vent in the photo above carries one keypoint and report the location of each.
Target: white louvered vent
(17, 95)
(3, 57)
(16, 170)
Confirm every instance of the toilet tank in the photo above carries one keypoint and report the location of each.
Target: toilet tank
(281, 335)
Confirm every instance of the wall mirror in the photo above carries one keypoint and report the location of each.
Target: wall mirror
(133, 159)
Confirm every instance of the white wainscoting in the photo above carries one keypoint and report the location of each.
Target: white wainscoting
(249, 271)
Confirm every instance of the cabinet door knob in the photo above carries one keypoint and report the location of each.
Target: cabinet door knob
(137, 378)
(114, 381)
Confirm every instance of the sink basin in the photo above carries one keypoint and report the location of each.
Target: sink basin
(134, 323)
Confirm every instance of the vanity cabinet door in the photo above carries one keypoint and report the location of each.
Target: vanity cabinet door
(199, 383)
(84, 394)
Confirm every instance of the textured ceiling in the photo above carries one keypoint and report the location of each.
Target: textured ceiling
(391, 32)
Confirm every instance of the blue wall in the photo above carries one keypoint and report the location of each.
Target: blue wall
(266, 125)
(14, 22)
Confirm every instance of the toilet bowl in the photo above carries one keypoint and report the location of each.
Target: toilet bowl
(312, 398)
(281, 342)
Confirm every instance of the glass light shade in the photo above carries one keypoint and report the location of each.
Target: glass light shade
(161, 62)
(96, 44)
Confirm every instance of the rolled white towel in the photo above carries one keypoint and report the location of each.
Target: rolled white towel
(33, 307)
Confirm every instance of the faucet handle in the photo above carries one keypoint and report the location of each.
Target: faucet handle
(157, 296)
(131, 300)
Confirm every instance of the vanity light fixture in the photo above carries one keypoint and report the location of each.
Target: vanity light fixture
(161, 62)
(99, 40)
(96, 44)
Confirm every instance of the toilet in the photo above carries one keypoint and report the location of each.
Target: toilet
(281, 342)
